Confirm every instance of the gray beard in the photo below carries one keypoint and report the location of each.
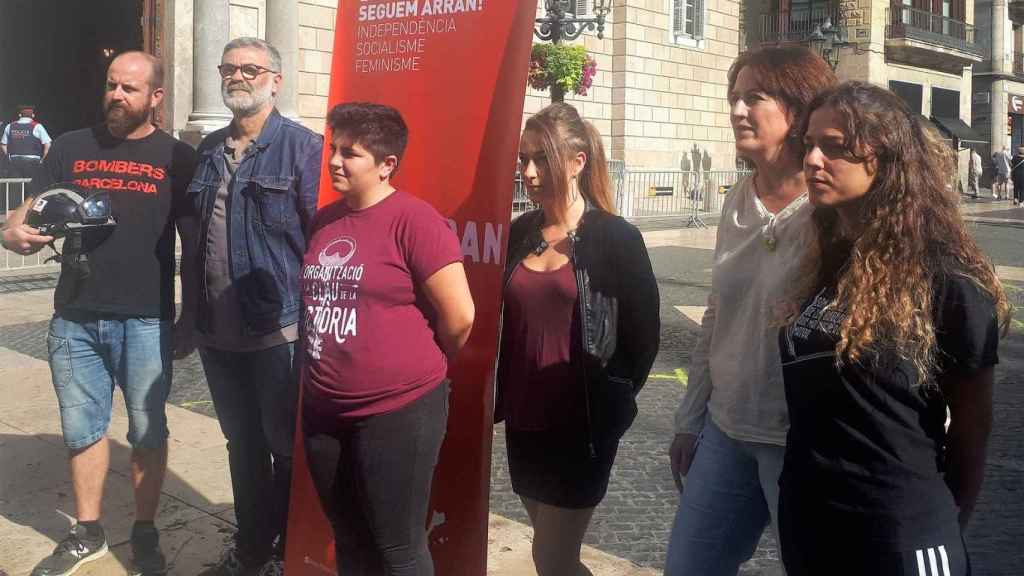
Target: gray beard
(247, 103)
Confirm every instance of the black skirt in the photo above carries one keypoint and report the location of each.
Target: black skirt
(554, 467)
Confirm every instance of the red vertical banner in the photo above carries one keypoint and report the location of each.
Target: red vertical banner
(456, 70)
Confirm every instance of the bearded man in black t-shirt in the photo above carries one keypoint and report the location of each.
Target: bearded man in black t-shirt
(114, 310)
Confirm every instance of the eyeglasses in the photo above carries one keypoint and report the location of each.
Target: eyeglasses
(249, 71)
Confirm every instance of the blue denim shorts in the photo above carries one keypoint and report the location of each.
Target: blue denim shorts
(90, 354)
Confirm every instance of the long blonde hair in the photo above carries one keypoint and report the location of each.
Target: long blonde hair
(912, 234)
(563, 134)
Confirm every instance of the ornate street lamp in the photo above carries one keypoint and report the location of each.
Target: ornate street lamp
(561, 23)
(826, 40)
(567, 20)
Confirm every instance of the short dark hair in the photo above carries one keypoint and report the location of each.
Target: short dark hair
(377, 127)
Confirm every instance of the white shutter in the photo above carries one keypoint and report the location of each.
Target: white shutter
(698, 18)
(578, 7)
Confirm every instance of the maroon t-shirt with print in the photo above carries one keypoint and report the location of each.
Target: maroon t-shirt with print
(367, 340)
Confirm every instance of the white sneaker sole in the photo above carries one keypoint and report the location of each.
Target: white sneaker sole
(94, 556)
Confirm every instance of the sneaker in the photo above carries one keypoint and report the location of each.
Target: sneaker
(273, 567)
(147, 559)
(71, 554)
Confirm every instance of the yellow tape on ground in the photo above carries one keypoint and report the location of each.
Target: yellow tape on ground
(678, 375)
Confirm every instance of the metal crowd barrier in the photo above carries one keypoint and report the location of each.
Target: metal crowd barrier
(12, 194)
(649, 194)
(693, 195)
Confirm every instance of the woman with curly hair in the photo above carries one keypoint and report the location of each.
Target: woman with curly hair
(900, 320)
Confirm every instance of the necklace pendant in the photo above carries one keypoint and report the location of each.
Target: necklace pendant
(770, 243)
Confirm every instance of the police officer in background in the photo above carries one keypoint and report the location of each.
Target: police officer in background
(26, 142)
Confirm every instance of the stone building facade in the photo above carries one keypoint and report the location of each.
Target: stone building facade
(660, 89)
(923, 50)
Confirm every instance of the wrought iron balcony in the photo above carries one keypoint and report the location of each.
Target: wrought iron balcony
(915, 24)
(923, 38)
(796, 25)
(1016, 10)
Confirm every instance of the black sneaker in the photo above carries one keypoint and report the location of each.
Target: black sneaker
(147, 559)
(71, 554)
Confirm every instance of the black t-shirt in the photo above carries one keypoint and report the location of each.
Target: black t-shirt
(131, 270)
(864, 453)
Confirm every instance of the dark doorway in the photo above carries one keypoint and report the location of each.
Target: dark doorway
(55, 56)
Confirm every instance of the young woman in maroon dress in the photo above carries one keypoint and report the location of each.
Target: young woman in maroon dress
(579, 334)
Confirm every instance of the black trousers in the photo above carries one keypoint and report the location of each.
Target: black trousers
(255, 395)
(24, 167)
(373, 478)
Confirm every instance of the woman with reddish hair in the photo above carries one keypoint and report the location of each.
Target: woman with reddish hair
(731, 424)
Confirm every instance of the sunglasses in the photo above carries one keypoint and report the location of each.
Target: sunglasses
(249, 71)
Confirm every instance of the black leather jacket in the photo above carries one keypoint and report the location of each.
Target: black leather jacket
(619, 314)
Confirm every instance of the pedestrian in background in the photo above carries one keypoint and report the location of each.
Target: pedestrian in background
(731, 424)
(899, 320)
(1001, 161)
(974, 173)
(1017, 175)
(580, 332)
(386, 309)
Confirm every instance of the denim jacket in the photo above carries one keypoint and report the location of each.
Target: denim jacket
(271, 205)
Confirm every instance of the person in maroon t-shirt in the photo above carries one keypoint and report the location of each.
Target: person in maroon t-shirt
(579, 334)
(386, 306)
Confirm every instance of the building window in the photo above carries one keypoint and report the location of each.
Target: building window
(688, 19)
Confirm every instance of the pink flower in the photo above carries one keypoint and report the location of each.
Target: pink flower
(587, 80)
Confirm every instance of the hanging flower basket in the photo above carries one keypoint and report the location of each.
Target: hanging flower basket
(564, 68)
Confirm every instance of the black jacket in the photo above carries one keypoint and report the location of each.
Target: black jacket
(619, 313)
(1017, 171)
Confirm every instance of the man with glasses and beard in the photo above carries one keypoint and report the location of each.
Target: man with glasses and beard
(113, 316)
(255, 193)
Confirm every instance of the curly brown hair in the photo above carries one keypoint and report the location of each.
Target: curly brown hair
(911, 233)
